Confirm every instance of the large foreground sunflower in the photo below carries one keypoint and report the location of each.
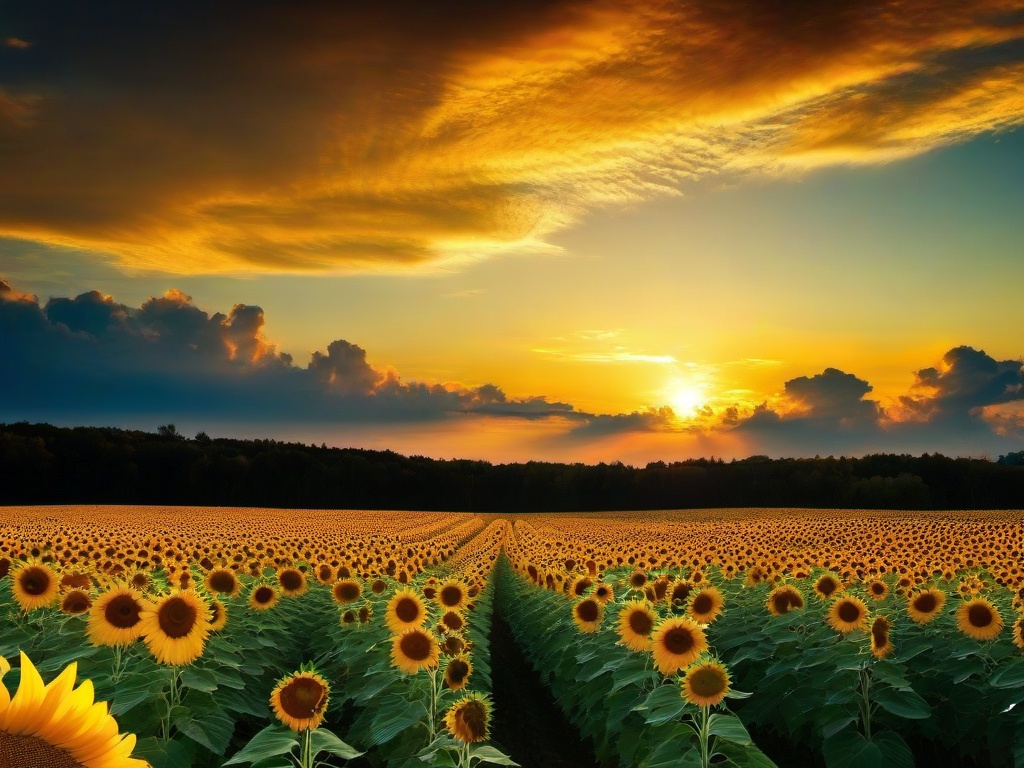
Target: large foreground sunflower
(115, 617)
(176, 627)
(405, 611)
(300, 700)
(413, 650)
(35, 585)
(636, 624)
(677, 643)
(925, 605)
(847, 614)
(58, 725)
(706, 683)
(468, 719)
(979, 619)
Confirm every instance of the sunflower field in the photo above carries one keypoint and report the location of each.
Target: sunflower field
(206, 637)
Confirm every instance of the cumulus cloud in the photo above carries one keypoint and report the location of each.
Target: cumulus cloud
(241, 137)
(91, 359)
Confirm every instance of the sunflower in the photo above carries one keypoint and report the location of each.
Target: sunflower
(413, 650)
(35, 585)
(452, 621)
(604, 592)
(176, 627)
(218, 615)
(847, 614)
(706, 683)
(925, 605)
(299, 700)
(979, 619)
(706, 605)
(827, 585)
(292, 581)
(457, 672)
(636, 623)
(680, 593)
(676, 643)
(405, 611)
(637, 579)
(263, 597)
(365, 613)
(453, 645)
(453, 594)
(784, 599)
(1018, 632)
(115, 617)
(588, 614)
(58, 726)
(222, 581)
(877, 589)
(347, 617)
(468, 719)
(345, 591)
(75, 602)
(579, 586)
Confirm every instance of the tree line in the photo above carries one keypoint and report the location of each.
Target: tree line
(43, 464)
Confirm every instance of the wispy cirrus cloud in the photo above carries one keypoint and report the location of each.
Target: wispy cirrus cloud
(240, 138)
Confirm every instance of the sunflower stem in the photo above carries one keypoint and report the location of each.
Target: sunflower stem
(432, 710)
(306, 749)
(864, 675)
(705, 737)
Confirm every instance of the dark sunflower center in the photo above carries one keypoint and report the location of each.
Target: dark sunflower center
(678, 640)
(451, 596)
(878, 588)
(980, 616)
(302, 697)
(452, 620)
(364, 614)
(781, 601)
(76, 602)
(122, 612)
(34, 581)
(581, 586)
(263, 594)
(379, 586)
(348, 591)
(348, 617)
(640, 622)
(473, 717)
(925, 603)
(849, 612)
(457, 671)
(415, 646)
(880, 633)
(176, 617)
(325, 572)
(637, 580)
(76, 580)
(290, 579)
(587, 611)
(680, 592)
(222, 581)
(140, 580)
(707, 681)
(31, 752)
(453, 645)
(827, 587)
(215, 612)
(407, 610)
(702, 603)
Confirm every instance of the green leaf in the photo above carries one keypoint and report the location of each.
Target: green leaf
(903, 703)
(323, 740)
(895, 752)
(272, 741)
(162, 754)
(729, 728)
(487, 754)
(213, 730)
(1009, 676)
(745, 757)
(391, 720)
(851, 750)
(830, 729)
(199, 679)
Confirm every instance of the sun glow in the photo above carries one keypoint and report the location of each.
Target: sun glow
(685, 398)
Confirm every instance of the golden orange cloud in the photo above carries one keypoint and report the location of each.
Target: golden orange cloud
(408, 136)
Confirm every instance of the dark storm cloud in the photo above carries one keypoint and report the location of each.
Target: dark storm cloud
(90, 356)
(243, 137)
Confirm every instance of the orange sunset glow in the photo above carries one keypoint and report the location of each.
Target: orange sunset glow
(552, 230)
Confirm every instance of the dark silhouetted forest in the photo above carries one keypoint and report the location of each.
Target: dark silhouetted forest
(43, 464)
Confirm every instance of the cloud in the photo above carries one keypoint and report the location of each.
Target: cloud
(615, 355)
(239, 138)
(91, 359)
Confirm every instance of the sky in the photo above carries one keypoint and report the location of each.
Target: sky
(616, 230)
